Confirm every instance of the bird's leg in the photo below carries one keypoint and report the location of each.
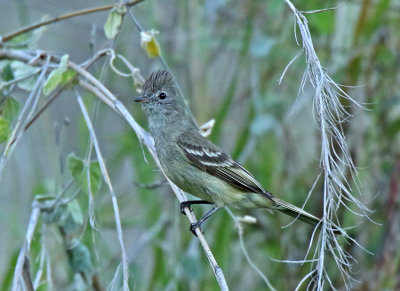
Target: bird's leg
(188, 203)
(198, 223)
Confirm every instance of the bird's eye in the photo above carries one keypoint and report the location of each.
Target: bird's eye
(162, 95)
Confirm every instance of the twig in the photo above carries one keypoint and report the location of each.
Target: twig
(24, 57)
(112, 192)
(57, 202)
(92, 216)
(26, 274)
(62, 88)
(97, 56)
(18, 276)
(18, 129)
(134, 20)
(63, 17)
(244, 250)
(42, 257)
(23, 77)
(152, 185)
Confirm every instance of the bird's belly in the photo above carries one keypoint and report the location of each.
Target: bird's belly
(192, 181)
(210, 188)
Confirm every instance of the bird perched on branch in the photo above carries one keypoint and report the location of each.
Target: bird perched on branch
(198, 166)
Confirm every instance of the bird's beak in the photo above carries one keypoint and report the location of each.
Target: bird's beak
(142, 99)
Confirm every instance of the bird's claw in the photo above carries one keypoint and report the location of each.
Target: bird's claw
(193, 227)
(183, 205)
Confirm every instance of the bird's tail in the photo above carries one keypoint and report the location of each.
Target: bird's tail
(300, 214)
(295, 212)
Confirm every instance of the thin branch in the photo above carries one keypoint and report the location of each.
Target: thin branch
(22, 119)
(62, 88)
(110, 53)
(152, 185)
(18, 273)
(134, 20)
(244, 250)
(23, 77)
(112, 192)
(42, 259)
(27, 275)
(8, 37)
(27, 58)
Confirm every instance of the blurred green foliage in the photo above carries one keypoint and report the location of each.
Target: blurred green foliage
(227, 57)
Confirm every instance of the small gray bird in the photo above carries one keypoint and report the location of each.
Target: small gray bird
(198, 166)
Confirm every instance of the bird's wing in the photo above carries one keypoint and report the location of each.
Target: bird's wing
(215, 162)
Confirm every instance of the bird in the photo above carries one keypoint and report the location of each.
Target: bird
(198, 166)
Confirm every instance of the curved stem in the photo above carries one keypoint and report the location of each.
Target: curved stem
(10, 36)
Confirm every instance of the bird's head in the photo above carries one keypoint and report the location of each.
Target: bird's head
(158, 90)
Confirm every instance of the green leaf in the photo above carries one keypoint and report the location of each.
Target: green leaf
(20, 39)
(52, 81)
(64, 62)
(95, 177)
(79, 258)
(4, 64)
(75, 165)
(113, 22)
(59, 76)
(67, 76)
(77, 168)
(10, 109)
(4, 129)
(7, 73)
(21, 70)
(75, 212)
(69, 221)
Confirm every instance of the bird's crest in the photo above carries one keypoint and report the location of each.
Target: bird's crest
(158, 80)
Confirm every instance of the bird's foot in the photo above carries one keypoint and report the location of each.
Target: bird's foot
(185, 204)
(195, 225)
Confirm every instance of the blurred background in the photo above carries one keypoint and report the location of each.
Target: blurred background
(227, 57)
